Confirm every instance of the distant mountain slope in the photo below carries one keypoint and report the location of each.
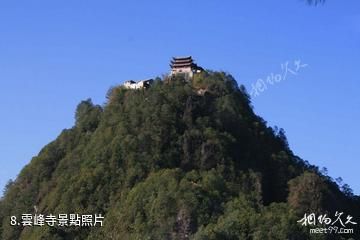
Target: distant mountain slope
(175, 161)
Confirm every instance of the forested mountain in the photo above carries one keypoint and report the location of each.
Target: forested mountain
(179, 160)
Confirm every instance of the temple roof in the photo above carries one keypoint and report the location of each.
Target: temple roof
(183, 62)
(179, 62)
(182, 58)
(175, 65)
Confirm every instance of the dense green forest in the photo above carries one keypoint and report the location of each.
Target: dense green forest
(179, 160)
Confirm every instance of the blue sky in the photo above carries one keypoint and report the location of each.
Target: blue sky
(53, 54)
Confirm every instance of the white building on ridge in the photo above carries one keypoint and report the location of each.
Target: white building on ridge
(138, 85)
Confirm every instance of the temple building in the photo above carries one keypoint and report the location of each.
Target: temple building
(184, 66)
